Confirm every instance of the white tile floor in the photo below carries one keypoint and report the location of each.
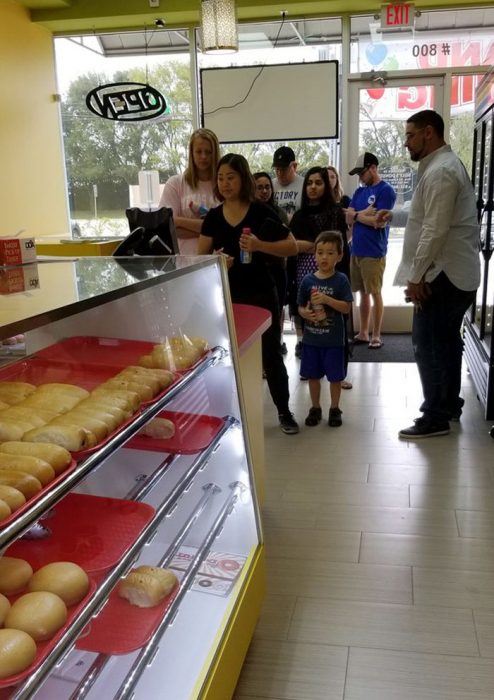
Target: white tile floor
(380, 553)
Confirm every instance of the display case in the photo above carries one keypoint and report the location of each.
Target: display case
(186, 503)
(479, 350)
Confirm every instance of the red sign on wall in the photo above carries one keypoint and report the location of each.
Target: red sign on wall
(399, 14)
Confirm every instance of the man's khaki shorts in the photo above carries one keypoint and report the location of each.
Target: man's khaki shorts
(367, 274)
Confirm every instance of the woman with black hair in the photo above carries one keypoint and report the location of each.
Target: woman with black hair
(223, 231)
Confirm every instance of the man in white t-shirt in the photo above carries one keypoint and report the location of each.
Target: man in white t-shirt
(288, 185)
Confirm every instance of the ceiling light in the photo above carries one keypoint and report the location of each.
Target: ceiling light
(219, 26)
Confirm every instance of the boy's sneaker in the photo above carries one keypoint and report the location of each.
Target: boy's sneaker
(334, 420)
(314, 417)
(288, 424)
(423, 428)
(298, 350)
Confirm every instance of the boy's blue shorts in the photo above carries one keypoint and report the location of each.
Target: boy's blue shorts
(319, 362)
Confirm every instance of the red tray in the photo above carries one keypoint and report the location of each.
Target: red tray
(121, 628)
(193, 433)
(91, 531)
(44, 648)
(60, 477)
(93, 351)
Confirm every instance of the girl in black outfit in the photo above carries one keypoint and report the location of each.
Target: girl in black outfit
(251, 283)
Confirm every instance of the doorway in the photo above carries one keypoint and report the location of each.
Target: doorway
(379, 107)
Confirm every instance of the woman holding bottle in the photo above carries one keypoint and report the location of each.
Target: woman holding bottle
(239, 225)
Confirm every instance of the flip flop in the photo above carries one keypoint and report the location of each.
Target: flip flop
(359, 341)
(375, 344)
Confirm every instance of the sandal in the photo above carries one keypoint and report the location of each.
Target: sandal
(375, 344)
(345, 384)
(359, 341)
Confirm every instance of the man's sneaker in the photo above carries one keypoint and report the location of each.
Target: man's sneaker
(424, 429)
(456, 412)
(314, 417)
(334, 420)
(284, 349)
(298, 349)
(288, 424)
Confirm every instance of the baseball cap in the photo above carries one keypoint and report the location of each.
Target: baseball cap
(283, 156)
(364, 161)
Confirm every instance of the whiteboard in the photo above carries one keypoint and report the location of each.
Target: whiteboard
(293, 101)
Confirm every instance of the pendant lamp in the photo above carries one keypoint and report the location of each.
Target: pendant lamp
(219, 26)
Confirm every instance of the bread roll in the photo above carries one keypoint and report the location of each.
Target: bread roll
(40, 614)
(14, 575)
(31, 465)
(107, 422)
(144, 392)
(147, 586)
(64, 578)
(28, 415)
(59, 388)
(83, 420)
(163, 376)
(17, 652)
(5, 510)
(57, 456)
(13, 430)
(71, 437)
(159, 428)
(27, 484)
(58, 402)
(22, 388)
(4, 608)
(131, 399)
(117, 408)
(12, 497)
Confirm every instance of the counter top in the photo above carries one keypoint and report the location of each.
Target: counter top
(250, 324)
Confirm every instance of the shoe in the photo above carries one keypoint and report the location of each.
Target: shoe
(314, 417)
(360, 341)
(288, 424)
(284, 349)
(375, 344)
(298, 350)
(346, 384)
(334, 420)
(303, 379)
(422, 428)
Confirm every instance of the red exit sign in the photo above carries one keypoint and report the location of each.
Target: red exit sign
(400, 14)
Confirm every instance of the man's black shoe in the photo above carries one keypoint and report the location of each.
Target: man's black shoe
(422, 428)
(284, 349)
(288, 424)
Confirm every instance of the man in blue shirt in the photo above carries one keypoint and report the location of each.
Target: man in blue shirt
(369, 245)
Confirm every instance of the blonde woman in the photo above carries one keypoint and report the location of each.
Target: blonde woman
(334, 180)
(191, 195)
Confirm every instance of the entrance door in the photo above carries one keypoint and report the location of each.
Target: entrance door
(378, 110)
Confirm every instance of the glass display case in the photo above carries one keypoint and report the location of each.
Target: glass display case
(184, 501)
(479, 351)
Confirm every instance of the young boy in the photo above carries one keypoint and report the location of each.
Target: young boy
(323, 297)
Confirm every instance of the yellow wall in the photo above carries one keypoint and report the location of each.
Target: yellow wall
(32, 179)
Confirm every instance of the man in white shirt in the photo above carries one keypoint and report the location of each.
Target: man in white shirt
(440, 269)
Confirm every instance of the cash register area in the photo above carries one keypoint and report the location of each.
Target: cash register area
(380, 552)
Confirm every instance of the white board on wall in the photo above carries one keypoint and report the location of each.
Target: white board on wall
(281, 102)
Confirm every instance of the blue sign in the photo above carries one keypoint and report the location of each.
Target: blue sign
(126, 102)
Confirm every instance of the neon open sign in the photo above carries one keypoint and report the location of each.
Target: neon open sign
(126, 102)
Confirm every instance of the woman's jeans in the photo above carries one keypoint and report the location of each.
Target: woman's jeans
(438, 347)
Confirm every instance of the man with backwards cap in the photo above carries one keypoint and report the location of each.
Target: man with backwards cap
(288, 185)
(369, 245)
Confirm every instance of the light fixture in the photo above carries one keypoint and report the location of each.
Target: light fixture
(219, 26)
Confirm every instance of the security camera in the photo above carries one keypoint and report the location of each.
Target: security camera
(159, 24)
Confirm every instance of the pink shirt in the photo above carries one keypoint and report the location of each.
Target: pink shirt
(189, 203)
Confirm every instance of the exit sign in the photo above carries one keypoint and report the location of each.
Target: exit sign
(396, 15)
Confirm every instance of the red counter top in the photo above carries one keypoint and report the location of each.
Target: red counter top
(250, 324)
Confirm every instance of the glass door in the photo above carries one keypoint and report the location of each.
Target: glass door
(379, 108)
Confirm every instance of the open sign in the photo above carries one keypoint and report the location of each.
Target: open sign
(126, 102)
